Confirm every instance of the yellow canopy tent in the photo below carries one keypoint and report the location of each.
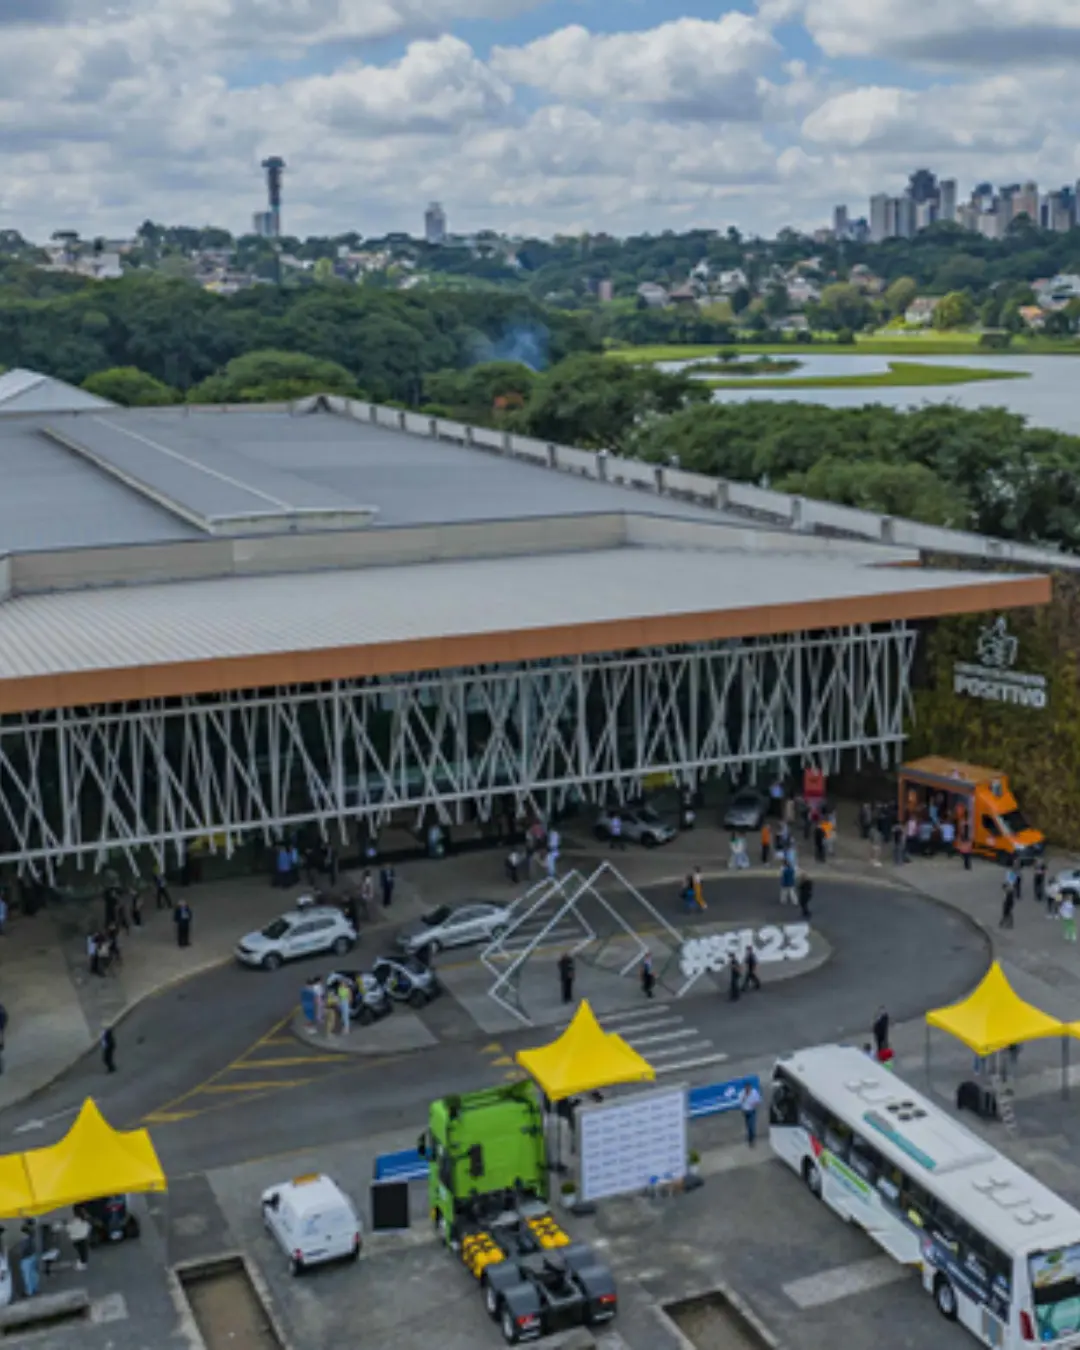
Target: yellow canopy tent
(993, 1017)
(583, 1059)
(91, 1160)
(16, 1193)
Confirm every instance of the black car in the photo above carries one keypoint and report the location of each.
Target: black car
(110, 1219)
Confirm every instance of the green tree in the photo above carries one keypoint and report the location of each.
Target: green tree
(909, 490)
(595, 402)
(990, 311)
(777, 301)
(131, 387)
(955, 310)
(740, 300)
(899, 296)
(844, 306)
(270, 376)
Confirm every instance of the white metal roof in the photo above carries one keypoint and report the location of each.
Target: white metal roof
(980, 1185)
(25, 391)
(190, 621)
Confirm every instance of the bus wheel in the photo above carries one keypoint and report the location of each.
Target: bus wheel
(945, 1298)
(811, 1174)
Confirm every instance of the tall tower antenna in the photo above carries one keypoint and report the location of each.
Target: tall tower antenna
(274, 167)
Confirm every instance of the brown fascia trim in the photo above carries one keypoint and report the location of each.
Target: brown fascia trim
(129, 684)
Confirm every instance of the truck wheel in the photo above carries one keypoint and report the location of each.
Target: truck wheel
(491, 1301)
(509, 1328)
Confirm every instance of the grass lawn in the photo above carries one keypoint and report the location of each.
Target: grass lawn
(901, 374)
(866, 344)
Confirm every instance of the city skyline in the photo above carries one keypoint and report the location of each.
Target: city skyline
(535, 116)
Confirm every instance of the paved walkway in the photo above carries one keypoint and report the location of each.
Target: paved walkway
(56, 1008)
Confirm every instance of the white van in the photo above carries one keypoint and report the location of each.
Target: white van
(314, 1220)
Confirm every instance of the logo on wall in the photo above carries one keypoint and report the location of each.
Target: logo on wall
(994, 678)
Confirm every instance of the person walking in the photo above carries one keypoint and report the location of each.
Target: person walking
(387, 880)
(874, 835)
(911, 835)
(78, 1230)
(566, 977)
(819, 841)
(1067, 910)
(161, 891)
(880, 1030)
(108, 1049)
(766, 843)
(615, 839)
(1007, 907)
(963, 847)
(805, 892)
(1012, 878)
(648, 975)
(136, 908)
(749, 1101)
(182, 919)
(787, 884)
(698, 887)
(897, 843)
(750, 965)
(734, 978)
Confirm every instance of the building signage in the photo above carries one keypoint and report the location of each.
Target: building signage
(993, 677)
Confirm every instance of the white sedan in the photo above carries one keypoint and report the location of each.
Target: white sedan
(302, 932)
(640, 823)
(1065, 883)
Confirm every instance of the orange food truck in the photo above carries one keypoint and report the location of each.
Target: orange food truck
(970, 795)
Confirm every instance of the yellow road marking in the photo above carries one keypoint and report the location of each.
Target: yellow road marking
(288, 1062)
(493, 1049)
(502, 1062)
(268, 1086)
(277, 1040)
(167, 1117)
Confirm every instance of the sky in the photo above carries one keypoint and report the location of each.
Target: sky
(525, 116)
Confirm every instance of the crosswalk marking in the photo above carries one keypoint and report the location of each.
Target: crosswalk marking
(687, 1064)
(665, 1037)
(814, 1291)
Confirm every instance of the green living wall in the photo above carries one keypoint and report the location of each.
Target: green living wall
(1039, 749)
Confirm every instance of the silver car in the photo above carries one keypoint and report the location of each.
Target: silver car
(639, 823)
(746, 810)
(454, 927)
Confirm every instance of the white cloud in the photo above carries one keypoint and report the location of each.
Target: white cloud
(947, 32)
(691, 67)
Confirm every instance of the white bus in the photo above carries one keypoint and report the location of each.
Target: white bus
(999, 1252)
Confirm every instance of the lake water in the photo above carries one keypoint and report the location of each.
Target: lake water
(1049, 397)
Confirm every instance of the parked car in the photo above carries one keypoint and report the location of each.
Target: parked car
(320, 928)
(639, 823)
(313, 1220)
(407, 979)
(1065, 883)
(446, 927)
(746, 810)
(368, 999)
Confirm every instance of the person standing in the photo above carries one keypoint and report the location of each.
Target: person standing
(897, 843)
(318, 989)
(1013, 879)
(648, 975)
(880, 1029)
(734, 978)
(1007, 907)
(161, 891)
(819, 841)
(749, 1101)
(615, 839)
(182, 919)
(28, 1260)
(698, 887)
(78, 1230)
(1038, 882)
(1067, 910)
(344, 1003)
(766, 843)
(911, 835)
(750, 965)
(387, 880)
(787, 884)
(367, 892)
(136, 907)
(566, 977)
(874, 835)
(805, 891)
(963, 847)
(108, 1049)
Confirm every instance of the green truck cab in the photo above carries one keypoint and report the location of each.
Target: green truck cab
(487, 1191)
(481, 1143)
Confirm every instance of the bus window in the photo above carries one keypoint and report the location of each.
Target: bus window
(784, 1108)
(865, 1162)
(837, 1139)
(812, 1116)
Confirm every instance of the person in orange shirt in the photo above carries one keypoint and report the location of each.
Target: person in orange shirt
(766, 843)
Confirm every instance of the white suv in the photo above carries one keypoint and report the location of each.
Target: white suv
(303, 932)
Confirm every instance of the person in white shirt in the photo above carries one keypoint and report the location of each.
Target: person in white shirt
(749, 1101)
(78, 1231)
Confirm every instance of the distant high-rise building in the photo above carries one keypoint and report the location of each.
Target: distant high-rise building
(840, 222)
(1026, 203)
(1056, 212)
(947, 199)
(879, 217)
(991, 224)
(262, 224)
(605, 290)
(925, 213)
(435, 224)
(922, 186)
(274, 167)
(905, 216)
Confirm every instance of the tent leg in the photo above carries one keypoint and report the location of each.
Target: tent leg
(1065, 1068)
(926, 1055)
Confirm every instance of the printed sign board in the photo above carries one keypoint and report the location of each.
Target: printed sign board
(993, 677)
(632, 1143)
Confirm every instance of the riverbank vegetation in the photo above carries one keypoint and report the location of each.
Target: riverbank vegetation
(900, 375)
